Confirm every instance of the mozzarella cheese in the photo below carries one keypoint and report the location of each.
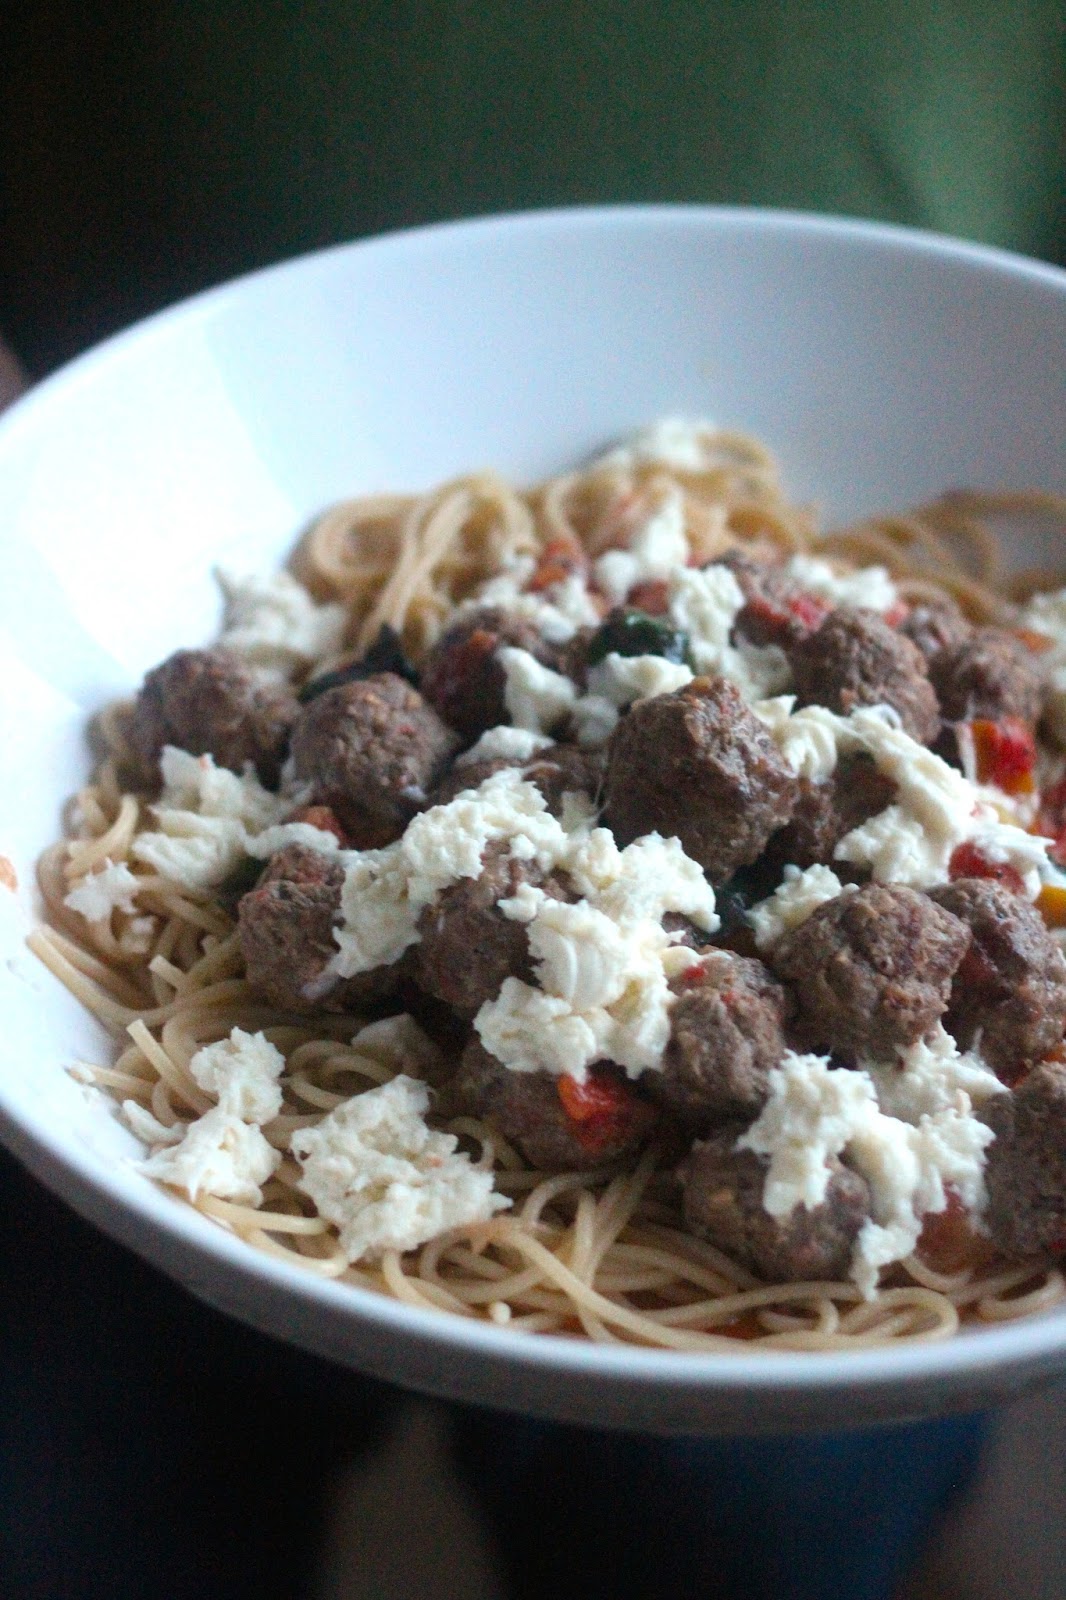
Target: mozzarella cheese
(793, 901)
(930, 1141)
(112, 888)
(274, 623)
(536, 698)
(209, 819)
(385, 1179)
(621, 680)
(505, 744)
(704, 603)
(867, 586)
(219, 1154)
(242, 1073)
(655, 548)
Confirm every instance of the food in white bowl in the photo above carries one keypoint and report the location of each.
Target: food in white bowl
(704, 889)
(885, 368)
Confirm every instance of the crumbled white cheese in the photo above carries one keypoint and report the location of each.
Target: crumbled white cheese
(1046, 614)
(219, 1154)
(927, 1077)
(670, 442)
(793, 901)
(536, 697)
(603, 964)
(816, 1111)
(275, 625)
(704, 603)
(505, 744)
(242, 1073)
(556, 612)
(623, 679)
(144, 1126)
(385, 891)
(808, 739)
(592, 721)
(112, 888)
(654, 550)
(384, 1178)
(208, 819)
(871, 587)
(935, 808)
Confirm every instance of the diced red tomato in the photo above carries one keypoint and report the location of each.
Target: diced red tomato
(649, 596)
(968, 862)
(321, 817)
(559, 560)
(897, 614)
(778, 618)
(1005, 754)
(949, 1241)
(604, 1109)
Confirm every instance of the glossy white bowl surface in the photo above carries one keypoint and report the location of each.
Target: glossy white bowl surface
(882, 366)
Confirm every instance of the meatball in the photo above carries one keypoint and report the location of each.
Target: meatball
(726, 1033)
(871, 970)
(461, 677)
(209, 703)
(370, 750)
(286, 932)
(530, 1111)
(935, 624)
(557, 770)
(467, 947)
(776, 609)
(700, 765)
(723, 1189)
(1025, 1166)
(990, 674)
(1009, 994)
(825, 812)
(855, 659)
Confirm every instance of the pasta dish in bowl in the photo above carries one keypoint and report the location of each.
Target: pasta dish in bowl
(616, 910)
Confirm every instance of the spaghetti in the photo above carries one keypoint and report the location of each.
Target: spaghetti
(602, 1255)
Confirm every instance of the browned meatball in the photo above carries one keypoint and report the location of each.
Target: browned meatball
(461, 677)
(1025, 1169)
(700, 765)
(467, 946)
(776, 609)
(371, 750)
(726, 1034)
(825, 812)
(209, 703)
(990, 674)
(855, 659)
(557, 770)
(529, 1110)
(871, 970)
(934, 624)
(723, 1189)
(1009, 994)
(286, 933)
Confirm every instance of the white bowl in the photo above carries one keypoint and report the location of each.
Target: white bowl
(883, 366)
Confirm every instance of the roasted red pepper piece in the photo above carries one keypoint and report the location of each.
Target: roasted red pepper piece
(604, 1110)
(1005, 754)
(559, 560)
(968, 862)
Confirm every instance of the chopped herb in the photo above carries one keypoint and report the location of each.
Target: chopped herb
(386, 654)
(635, 633)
